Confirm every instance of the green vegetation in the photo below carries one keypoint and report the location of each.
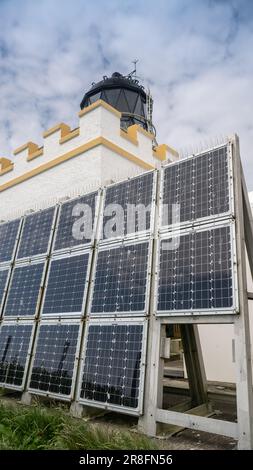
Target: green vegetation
(30, 428)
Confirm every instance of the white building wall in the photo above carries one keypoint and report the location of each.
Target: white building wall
(93, 167)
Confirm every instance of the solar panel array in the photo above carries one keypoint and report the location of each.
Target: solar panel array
(9, 232)
(15, 344)
(48, 265)
(199, 185)
(36, 233)
(55, 357)
(121, 200)
(112, 369)
(196, 267)
(198, 275)
(114, 355)
(76, 222)
(120, 284)
(24, 291)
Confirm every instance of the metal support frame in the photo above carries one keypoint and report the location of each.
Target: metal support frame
(153, 412)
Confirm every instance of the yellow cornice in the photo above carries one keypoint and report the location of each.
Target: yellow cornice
(33, 150)
(160, 152)
(70, 135)
(36, 154)
(30, 146)
(97, 104)
(64, 128)
(73, 153)
(6, 165)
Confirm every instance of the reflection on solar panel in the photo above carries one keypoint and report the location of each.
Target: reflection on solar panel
(75, 222)
(200, 185)
(3, 280)
(66, 285)
(198, 274)
(133, 192)
(112, 364)
(55, 355)
(8, 237)
(14, 348)
(24, 290)
(121, 279)
(36, 233)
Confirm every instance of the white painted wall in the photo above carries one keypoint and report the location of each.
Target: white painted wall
(89, 170)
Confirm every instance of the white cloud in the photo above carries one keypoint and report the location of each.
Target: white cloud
(195, 55)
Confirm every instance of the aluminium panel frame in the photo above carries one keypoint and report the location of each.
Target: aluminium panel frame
(133, 235)
(2, 301)
(14, 253)
(38, 256)
(43, 393)
(31, 322)
(234, 309)
(206, 219)
(87, 245)
(109, 406)
(69, 315)
(111, 246)
(29, 262)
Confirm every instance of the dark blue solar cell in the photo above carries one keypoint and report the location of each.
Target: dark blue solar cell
(76, 222)
(8, 237)
(199, 186)
(14, 347)
(121, 279)
(132, 214)
(3, 280)
(66, 285)
(55, 356)
(24, 290)
(198, 274)
(36, 233)
(112, 364)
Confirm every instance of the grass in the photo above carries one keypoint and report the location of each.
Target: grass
(37, 427)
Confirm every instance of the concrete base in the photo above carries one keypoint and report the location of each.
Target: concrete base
(26, 398)
(76, 410)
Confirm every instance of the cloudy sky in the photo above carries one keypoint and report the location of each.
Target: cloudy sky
(195, 55)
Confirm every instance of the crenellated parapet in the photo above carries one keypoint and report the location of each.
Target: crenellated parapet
(99, 127)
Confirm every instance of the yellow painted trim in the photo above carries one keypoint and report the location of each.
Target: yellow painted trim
(97, 104)
(144, 132)
(70, 136)
(6, 170)
(129, 136)
(160, 152)
(73, 153)
(64, 128)
(36, 154)
(132, 133)
(6, 165)
(123, 153)
(30, 146)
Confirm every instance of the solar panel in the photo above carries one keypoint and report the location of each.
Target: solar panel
(15, 342)
(112, 374)
(36, 233)
(53, 367)
(199, 185)
(198, 275)
(24, 290)
(121, 278)
(66, 285)
(4, 273)
(76, 222)
(8, 237)
(128, 195)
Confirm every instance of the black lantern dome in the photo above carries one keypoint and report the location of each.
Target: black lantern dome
(123, 93)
